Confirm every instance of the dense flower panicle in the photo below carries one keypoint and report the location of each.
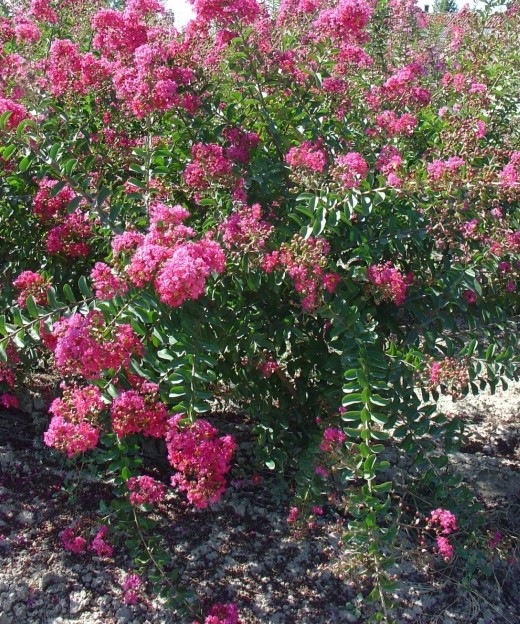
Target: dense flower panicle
(389, 283)
(242, 144)
(244, 229)
(9, 401)
(395, 125)
(117, 35)
(145, 490)
(45, 205)
(68, 238)
(107, 284)
(78, 404)
(444, 547)
(139, 411)
(510, 175)
(83, 349)
(332, 439)
(69, 437)
(26, 30)
(31, 284)
(305, 262)
(72, 542)
(200, 458)
(7, 369)
(308, 156)
(128, 241)
(146, 261)
(184, 275)
(438, 168)
(350, 170)
(99, 545)
(131, 589)
(449, 372)
(226, 12)
(345, 21)
(70, 71)
(445, 520)
(223, 614)
(209, 164)
(18, 112)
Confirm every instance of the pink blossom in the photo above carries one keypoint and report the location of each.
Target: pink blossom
(350, 169)
(223, 614)
(31, 284)
(46, 204)
(332, 439)
(70, 541)
(209, 164)
(69, 238)
(389, 283)
(200, 458)
(470, 296)
(310, 156)
(145, 490)
(294, 512)
(99, 545)
(226, 12)
(244, 229)
(444, 547)
(9, 401)
(131, 588)
(445, 519)
(70, 437)
(18, 112)
(107, 284)
(139, 411)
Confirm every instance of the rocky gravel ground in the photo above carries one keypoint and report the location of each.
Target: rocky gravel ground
(242, 550)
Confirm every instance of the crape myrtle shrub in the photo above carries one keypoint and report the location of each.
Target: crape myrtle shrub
(311, 211)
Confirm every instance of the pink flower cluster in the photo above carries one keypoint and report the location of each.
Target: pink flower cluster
(389, 163)
(350, 170)
(438, 168)
(73, 426)
(71, 72)
(310, 156)
(26, 30)
(145, 490)
(449, 372)
(107, 284)
(389, 283)
(444, 522)
(395, 125)
(131, 589)
(242, 144)
(72, 542)
(345, 21)
(99, 545)
(223, 614)
(84, 345)
(304, 261)
(332, 439)
(209, 164)
(68, 238)
(245, 230)
(226, 12)
(510, 175)
(31, 284)
(45, 205)
(139, 411)
(200, 458)
(42, 11)
(18, 112)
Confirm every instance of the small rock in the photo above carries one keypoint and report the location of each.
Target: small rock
(79, 600)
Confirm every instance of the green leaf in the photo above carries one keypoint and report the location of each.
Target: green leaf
(84, 287)
(31, 307)
(25, 163)
(8, 152)
(69, 165)
(67, 291)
